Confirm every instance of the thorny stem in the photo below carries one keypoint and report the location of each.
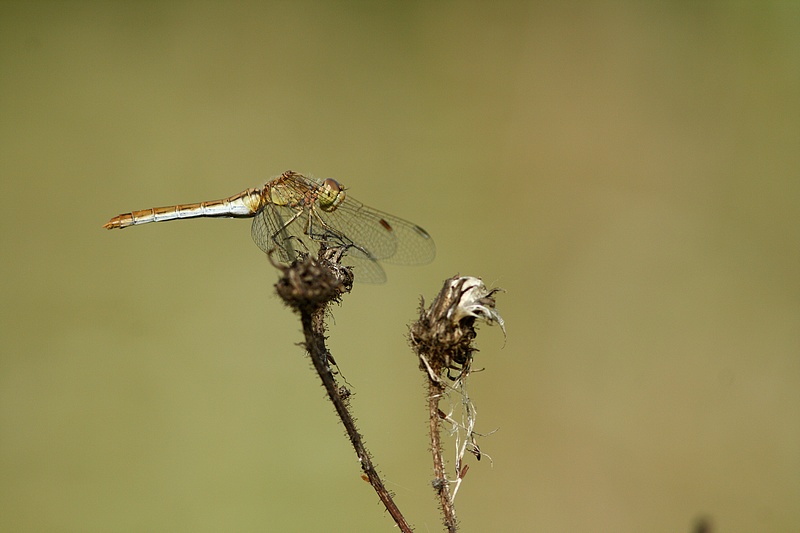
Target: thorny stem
(309, 286)
(440, 485)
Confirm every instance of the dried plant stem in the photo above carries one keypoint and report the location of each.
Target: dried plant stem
(442, 487)
(308, 286)
(313, 328)
(442, 339)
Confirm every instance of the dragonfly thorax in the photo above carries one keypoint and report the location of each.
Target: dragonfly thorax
(331, 194)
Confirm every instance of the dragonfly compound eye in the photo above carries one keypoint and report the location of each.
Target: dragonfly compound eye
(331, 194)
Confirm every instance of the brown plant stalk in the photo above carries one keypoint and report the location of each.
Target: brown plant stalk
(308, 286)
(442, 339)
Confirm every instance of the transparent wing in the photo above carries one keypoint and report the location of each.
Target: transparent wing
(384, 236)
(271, 232)
(365, 269)
(368, 234)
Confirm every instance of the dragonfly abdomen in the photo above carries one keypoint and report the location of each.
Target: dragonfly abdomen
(243, 205)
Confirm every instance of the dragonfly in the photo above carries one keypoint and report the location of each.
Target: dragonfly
(292, 212)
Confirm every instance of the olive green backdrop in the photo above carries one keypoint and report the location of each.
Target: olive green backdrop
(629, 173)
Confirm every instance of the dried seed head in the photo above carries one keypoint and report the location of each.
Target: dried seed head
(443, 335)
(310, 283)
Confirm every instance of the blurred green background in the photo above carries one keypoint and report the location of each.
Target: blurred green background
(627, 171)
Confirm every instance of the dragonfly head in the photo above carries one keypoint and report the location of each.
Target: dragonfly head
(331, 194)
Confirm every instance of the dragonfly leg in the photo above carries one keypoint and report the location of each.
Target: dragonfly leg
(282, 238)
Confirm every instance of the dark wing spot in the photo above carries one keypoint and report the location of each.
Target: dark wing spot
(386, 225)
(422, 232)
